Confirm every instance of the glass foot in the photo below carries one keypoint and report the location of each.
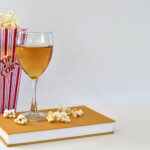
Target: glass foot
(35, 116)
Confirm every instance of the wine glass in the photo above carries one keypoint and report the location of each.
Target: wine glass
(34, 52)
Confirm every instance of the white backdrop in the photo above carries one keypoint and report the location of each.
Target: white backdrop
(101, 51)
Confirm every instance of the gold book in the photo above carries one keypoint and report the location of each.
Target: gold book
(90, 124)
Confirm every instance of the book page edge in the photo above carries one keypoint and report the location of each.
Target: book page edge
(20, 144)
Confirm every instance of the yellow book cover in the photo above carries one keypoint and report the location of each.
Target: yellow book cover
(90, 124)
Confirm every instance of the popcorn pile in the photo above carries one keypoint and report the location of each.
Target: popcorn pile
(63, 108)
(59, 116)
(7, 21)
(76, 113)
(21, 119)
(63, 114)
(9, 113)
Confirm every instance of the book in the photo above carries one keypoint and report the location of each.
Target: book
(90, 124)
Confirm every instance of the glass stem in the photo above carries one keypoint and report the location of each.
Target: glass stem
(33, 108)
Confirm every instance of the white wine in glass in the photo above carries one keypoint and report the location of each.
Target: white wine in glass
(34, 52)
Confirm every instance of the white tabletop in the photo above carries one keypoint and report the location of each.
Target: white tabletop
(132, 132)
